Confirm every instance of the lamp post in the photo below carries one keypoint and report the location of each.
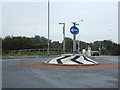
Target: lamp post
(48, 27)
(63, 37)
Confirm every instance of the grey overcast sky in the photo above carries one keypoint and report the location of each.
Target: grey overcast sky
(30, 19)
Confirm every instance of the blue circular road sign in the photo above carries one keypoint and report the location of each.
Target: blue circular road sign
(74, 30)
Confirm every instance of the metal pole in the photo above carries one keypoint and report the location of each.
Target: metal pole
(78, 47)
(63, 37)
(48, 27)
(74, 40)
(74, 44)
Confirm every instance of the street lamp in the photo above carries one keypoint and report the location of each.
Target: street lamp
(48, 26)
(63, 37)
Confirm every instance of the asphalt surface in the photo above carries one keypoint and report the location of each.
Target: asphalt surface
(14, 76)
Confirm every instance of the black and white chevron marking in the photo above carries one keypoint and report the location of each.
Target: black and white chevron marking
(88, 60)
(59, 60)
(72, 60)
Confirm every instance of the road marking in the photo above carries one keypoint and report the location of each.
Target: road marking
(74, 60)
(59, 60)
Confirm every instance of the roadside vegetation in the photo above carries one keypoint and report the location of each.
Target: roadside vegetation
(27, 46)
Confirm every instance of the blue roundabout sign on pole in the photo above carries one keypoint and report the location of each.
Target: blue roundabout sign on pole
(74, 30)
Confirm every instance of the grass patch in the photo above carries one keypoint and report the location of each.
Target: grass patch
(52, 53)
(11, 55)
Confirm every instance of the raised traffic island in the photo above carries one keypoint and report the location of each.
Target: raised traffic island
(70, 59)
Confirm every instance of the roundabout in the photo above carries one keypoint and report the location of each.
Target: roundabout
(69, 62)
(42, 65)
(36, 74)
(70, 59)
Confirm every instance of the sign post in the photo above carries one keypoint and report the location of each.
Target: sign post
(74, 44)
(74, 30)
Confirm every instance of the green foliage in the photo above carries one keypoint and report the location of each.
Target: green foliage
(107, 47)
(30, 54)
(18, 43)
(96, 45)
(69, 43)
(38, 39)
(83, 44)
(9, 43)
(56, 44)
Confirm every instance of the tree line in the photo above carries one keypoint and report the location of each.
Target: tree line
(9, 43)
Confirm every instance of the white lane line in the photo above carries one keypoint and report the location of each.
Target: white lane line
(9, 59)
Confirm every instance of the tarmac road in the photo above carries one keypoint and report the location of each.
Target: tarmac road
(14, 76)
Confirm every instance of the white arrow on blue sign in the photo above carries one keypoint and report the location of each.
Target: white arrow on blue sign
(74, 30)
